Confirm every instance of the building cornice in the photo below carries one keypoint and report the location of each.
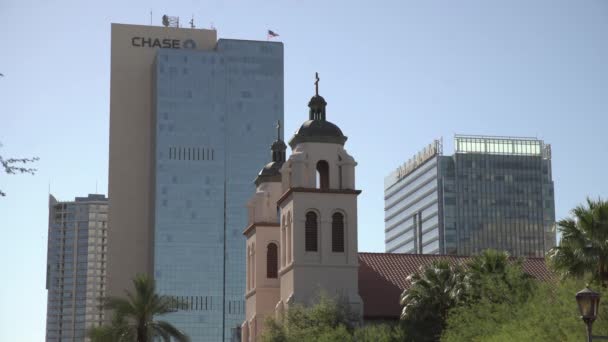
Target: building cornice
(252, 226)
(317, 191)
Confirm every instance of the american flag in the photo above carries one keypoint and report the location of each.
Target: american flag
(272, 34)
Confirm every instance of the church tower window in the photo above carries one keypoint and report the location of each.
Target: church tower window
(322, 175)
(310, 232)
(272, 260)
(337, 233)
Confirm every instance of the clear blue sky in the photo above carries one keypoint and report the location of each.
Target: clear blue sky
(396, 75)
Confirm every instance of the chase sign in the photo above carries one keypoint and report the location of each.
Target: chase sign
(163, 43)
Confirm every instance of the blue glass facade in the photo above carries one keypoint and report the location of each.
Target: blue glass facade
(215, 118)
(494, 192)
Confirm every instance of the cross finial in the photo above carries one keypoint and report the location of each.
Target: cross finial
(317, 83)
(278, 130)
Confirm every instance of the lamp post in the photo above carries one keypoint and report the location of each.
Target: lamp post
(588, 304)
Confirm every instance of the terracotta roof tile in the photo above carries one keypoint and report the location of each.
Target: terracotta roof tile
(383, 277)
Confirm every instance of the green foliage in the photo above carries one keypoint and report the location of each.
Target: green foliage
(327, 321)
(379, 333)
(133, 318)
(549, 314)
(433, 292)
(117, 331)
(440, 288)
(491, 277)
(583, 249)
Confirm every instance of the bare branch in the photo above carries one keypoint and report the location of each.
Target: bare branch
(13, 166)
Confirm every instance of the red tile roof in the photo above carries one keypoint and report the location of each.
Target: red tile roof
(383, 277)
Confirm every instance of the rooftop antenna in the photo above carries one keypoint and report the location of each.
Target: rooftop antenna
(150, 17)
(96, 187)
(192, 22)
(170, 21)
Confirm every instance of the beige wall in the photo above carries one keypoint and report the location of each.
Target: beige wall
(309, 272)
(261, 292)
(130, 189)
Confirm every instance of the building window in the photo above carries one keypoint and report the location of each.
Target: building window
(322, 175)
(272, 260)
(311, 232)
(337, 233)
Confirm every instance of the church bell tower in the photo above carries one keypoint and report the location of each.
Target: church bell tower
(318, 214)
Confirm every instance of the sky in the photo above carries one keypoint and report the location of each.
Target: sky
(396, 75)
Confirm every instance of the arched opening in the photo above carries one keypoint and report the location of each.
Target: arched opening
(337, 233)
(248, 268)
(322, 175)
(283, 243)
(272, 260)
(287, 246)
(253, 265)
(310, 232)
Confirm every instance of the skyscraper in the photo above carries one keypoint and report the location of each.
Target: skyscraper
(210, 113)
(76, 259)
(494, 192)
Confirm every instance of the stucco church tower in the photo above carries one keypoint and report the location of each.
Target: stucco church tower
(303, 224)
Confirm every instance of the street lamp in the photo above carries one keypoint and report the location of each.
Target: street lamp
(588, 303)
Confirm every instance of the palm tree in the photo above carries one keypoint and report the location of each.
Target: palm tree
(134, 316)
(490, 261)
(117, 331)
(436, 289)
(583, 249)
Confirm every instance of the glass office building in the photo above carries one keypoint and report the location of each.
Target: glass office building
(494, 192)
(75, 276)
(215, 117)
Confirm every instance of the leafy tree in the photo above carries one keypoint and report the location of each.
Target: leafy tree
(439, 288)
(583, 250)
(435, 290)
(549, 314)
(379, 333)
(327, 321)
(13, 166)
(491, 276)
(134, 316)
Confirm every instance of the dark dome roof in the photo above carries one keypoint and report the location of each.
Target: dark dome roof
(270, 173)
(318, 131)
(317, 128)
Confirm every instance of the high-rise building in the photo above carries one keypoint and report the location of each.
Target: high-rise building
(494, 192)
(75, 273)
(190, 123)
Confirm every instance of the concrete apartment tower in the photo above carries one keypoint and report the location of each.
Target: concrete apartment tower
(76, 266)
(316, 236)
